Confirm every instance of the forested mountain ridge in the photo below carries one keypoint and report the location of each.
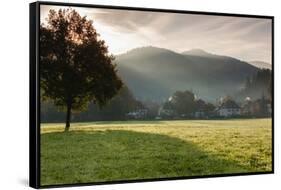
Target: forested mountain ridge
(155, 73)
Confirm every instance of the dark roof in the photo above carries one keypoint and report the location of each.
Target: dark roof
(229, 104)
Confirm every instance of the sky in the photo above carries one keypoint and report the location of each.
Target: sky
(248, 39)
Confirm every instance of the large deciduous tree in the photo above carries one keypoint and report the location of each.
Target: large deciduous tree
(183, 102)
(75, 65)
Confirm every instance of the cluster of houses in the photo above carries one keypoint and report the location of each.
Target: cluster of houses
(226, 109)
(259, 108)
(138, 114)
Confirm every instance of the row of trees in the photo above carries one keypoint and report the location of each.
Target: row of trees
(182, 102)
(261, 78)
(258, 85)
(116, 109)
(185, 103)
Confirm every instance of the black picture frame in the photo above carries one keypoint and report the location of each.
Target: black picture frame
(34, 99)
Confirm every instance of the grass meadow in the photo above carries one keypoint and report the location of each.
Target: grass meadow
(129, 150)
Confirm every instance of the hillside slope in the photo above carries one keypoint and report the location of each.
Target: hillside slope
(155, 73)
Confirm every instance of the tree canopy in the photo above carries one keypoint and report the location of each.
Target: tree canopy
(183, 102)
(75, 65)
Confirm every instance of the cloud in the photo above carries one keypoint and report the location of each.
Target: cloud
(244, 38)
(124, 21)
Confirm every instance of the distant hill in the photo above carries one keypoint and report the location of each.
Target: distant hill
(198, 52)
(261, 64)
(155, 73)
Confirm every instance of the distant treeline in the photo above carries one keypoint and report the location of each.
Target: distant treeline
(258, 85)
(181, 103)
(116, 109)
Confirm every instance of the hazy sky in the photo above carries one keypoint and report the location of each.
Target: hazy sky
(243, 38)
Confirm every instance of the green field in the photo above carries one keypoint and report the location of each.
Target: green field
(110, 151)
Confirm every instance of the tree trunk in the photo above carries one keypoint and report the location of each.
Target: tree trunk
(68, 117)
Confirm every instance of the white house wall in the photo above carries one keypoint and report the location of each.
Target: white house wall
(226, 112)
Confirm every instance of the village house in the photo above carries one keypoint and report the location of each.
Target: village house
(229, 108)
(166, 113)
(138, 114)
(199, 114)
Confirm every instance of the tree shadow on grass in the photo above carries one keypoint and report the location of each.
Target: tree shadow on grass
(111, 155)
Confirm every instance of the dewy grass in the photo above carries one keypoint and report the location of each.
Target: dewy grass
(124, 150)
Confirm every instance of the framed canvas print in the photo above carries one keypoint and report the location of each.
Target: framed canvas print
(122, 94)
